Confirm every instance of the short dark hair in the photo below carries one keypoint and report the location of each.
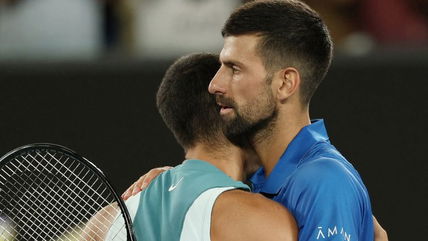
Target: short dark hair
(292, 34)
(184, 102)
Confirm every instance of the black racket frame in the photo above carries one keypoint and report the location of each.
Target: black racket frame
(11, 155)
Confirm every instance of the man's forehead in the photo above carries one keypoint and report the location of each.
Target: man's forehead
(240, 48)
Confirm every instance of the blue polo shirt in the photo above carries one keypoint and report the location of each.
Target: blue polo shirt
(320, 188)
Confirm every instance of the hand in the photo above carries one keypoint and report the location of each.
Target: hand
(143, 182)
(379, 233)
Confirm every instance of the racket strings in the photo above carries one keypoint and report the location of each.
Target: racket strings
(95, 191)
(90, 187)
(49, 197)
(35, 205)
(27, 201)
(24, 203)
(37, 195)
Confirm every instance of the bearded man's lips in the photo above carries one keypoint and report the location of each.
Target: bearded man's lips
(225, 110)
(225, 105)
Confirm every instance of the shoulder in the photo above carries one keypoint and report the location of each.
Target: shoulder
(326, 177)
(240, 215)
(327, 170)
(325, 181)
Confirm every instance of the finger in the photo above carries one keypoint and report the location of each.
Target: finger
(152, 174)
(128, 192)
(140, 181)
(137, 185)
(166, 168)
(147, 180)
(124, 195)
(136, 190)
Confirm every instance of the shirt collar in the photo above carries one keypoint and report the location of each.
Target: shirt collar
(301, 143)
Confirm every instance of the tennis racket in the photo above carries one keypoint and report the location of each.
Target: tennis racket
(49, 192)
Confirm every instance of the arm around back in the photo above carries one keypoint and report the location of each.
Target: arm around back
(238, 215)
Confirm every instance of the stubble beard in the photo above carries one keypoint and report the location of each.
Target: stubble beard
(245, 131)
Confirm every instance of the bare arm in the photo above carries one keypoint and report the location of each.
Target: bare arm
(98, 226)
(238, 215)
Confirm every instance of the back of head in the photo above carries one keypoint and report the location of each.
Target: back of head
(292, 35)
(184, 103)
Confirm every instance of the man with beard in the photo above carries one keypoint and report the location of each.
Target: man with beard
(275, 55)
(203, 198)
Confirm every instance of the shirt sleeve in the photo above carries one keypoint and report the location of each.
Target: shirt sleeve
(328, 201)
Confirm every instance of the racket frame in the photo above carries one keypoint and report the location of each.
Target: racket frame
(11, 155)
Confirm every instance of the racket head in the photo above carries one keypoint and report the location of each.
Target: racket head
(51, 192)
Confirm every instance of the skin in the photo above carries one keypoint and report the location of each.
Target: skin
(96, 229)
(242, 79)
(250, 166)
(236, 212)
(242, 91)
(233, 207)
(246, 82)
(379, 233)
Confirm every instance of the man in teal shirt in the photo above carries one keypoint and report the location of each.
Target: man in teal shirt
(203, 198)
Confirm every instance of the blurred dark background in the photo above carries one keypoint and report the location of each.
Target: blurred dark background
(84, 73)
